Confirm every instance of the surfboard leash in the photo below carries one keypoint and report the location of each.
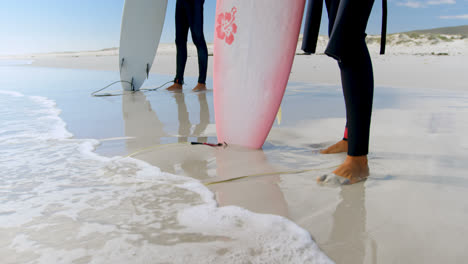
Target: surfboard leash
(131, 83)
(224, 144)
(107, 86)
(267, 174)
(156, 88)
(153, 147)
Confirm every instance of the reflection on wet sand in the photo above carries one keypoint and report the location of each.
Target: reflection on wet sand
(204, 118)
(184, 121)
(183, 117)
(259, 194)
(196, 166)
(348, 237)
(143, 124)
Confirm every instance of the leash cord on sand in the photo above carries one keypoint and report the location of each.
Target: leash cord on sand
(156, 88)
(267, 173)
(230, 179)
(153, 147)
(177, 143)
(122, 81)
(107, 86)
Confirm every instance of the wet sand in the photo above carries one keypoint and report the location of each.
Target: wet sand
(407, 211)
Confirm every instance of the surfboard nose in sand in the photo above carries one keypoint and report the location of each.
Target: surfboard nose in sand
(254, 47)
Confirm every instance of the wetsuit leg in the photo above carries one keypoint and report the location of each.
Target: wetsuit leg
(358, 89)
(182, 27)
(348, 21)
(195, 17)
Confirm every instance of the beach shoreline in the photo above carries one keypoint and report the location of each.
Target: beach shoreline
(415, 64)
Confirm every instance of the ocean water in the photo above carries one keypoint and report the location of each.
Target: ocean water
(61, 202)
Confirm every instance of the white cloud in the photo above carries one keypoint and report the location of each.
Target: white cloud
(455, 17)
(412, 4)
(441, 2)
(421, 4)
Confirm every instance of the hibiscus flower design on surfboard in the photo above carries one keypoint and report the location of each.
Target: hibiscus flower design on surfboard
(225, 26)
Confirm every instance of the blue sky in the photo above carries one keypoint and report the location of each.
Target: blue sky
(28, 26)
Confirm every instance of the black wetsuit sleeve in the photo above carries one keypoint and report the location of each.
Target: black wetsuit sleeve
(312, 26)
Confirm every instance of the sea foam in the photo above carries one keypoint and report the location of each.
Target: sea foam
(60, 202)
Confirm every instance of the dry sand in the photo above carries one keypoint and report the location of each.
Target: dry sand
(417, 63)
(413, 209)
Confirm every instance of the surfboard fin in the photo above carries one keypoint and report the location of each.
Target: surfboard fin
(147, 70)
(122, 62)
(278, 116)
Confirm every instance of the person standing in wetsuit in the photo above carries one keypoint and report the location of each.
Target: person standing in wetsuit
(347, 24)
(189, 15)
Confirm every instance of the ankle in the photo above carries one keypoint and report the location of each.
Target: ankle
(361, 160)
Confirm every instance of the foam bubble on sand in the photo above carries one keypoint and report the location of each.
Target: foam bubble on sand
(63, 203)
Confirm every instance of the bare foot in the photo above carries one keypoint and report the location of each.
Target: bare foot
(175, 87)
(199, 87)
(354, 169)
(341, 146)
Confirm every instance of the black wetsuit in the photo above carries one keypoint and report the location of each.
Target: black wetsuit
(347, 25)
(189, 14)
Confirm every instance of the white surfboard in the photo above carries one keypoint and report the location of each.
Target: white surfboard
(142, 24)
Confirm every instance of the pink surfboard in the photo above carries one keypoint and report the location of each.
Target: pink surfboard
(254, 47)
